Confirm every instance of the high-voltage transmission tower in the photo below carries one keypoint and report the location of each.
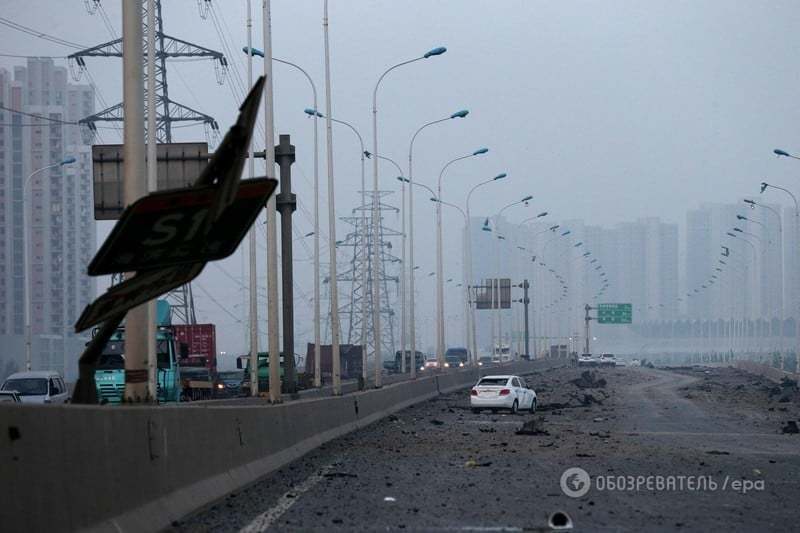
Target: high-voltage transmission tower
(359, 273)
(168, 111)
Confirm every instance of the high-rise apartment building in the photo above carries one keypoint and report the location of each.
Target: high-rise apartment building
(38, 131)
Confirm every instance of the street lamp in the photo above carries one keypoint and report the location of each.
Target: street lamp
(473, 334)
(27, 262)
(779, 152)
(315, 113)
(411, 294)
(498, 314)
(251, 51)
(376, 317)
(440, 336)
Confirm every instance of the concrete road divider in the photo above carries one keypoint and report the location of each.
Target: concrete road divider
(138, 469)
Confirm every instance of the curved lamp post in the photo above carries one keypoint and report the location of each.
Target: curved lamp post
(440, 334)
(27, 262)
(376, 318)
(411, 293)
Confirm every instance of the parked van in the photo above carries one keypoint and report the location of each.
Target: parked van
(41, 386)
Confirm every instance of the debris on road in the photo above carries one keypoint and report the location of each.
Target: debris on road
(790, 427)
(588, 380)
(529, 428)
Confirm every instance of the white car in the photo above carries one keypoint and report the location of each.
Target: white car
(40, 386)
(586, 359)
(502, 392)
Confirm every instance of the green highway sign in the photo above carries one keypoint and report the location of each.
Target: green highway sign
(614, 313)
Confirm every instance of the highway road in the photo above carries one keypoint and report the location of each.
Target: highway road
(691, 449)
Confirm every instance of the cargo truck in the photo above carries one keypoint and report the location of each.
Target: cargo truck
(110, 372)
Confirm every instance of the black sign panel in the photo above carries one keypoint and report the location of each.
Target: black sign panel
(172, 228)
(495, 293)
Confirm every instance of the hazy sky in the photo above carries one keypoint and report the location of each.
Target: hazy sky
(606, 111)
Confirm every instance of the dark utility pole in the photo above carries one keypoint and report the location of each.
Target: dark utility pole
(286, 203)
(526, 301)
(588, 318)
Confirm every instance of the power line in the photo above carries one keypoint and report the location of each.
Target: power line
(33, 115)
(36, 33)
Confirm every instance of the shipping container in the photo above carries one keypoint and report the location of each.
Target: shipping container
(197, 345)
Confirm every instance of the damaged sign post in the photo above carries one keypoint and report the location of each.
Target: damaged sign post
(167, 237)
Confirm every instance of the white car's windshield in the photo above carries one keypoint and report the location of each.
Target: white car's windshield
(27, 386)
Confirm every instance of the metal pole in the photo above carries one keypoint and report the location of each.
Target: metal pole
(411, 269)
(317, 310)
(273, 320)
(526, 301)
(334, 310)
(253, 314)
(152, 184)
(364, 267)
(588, 318)
(287, 204)
(27, 265)
(439, 282)
(376, 301)
(134, 169)
(403, 322)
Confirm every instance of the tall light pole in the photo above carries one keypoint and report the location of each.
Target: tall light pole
(411, 269)
(26, 261)
(470, 279)
(467, 335)
(376, 253)
(440, 342)
(753, 204)
(334, 291)
(796, 251)
(252, 274)
(317, 312)
(363, 273)
(498, 314)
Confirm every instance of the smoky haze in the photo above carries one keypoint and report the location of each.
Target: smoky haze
(603, 111)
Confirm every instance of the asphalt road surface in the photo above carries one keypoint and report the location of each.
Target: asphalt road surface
(714, 437)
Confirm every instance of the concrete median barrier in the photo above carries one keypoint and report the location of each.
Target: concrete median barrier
(140, 468)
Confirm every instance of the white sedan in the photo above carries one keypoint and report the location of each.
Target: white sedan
(502, 392)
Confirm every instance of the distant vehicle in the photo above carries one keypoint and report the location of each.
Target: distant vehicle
(484, 360)
(243, 362)
(502, 392)
(419, 360)
(41, 386)
(197, 383)
(453, 361)
(460, 353)
(502, 354)
(636, 362)
(9, 396)
(231, 383)
(621, 362)
(607, 359)
(586, 359)
(430, 363)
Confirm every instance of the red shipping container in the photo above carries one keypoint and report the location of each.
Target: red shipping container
(201, 344)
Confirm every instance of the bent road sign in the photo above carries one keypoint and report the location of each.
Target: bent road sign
(143, 287)
(170, 228)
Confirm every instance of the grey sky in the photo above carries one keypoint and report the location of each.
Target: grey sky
(606, 111)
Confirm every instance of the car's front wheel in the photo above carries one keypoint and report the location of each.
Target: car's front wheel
(514, 407)
(533, 406)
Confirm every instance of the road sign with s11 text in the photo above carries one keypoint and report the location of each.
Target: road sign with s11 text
(171, 228)
(614, 313)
